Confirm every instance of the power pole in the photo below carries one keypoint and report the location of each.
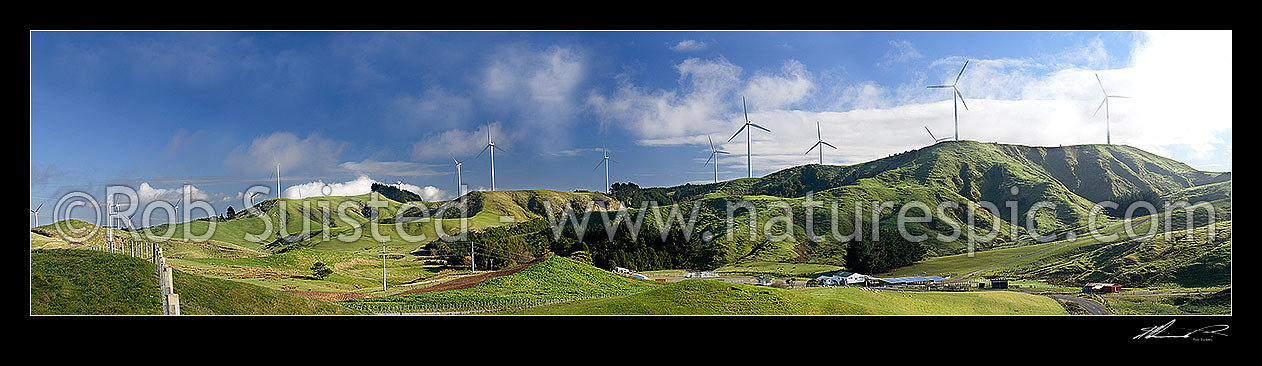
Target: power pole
(473, 262)
(383, 265)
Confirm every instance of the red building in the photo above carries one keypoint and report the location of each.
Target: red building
(1107, 288)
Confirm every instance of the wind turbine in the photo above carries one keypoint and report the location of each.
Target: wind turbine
(490, 145)
(820, 143)
(278, 191)
(935, 139)
(605, 161)
(35, 213)
(459, 180)
(749, 152)
(714, 153)
(1105, 105)
(955, 107)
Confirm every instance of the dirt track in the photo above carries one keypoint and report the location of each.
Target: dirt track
(470, 281)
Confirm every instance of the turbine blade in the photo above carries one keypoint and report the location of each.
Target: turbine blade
(1097, 109)
(763, 128)
(707, 161)
(957, 93)
(41, 205)
(746, 108)
(722, 152)
(818, 134)
(940, 86)
(707, 137)
(957, 77)
(1097, 80)
(812, 148)
(488, 146)
(500, 149)
(1118, 96)
(828, 144)
(602, 161)
(930, 133)
(615, 161)
(738, 132)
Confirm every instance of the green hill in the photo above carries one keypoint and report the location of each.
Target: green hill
(698, 296)
(552, 278)
(70, 281)
(344, 215)
(67, 281)
(963, 173)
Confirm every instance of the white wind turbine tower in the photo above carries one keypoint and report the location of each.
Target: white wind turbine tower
(490, 145)
(749, 152)
(459, 180)
(714, 155)
(278, 191)
(820, 143)
(605, 161)
(954, 97)
(935, 138)
(35, 213)
(1105, 104)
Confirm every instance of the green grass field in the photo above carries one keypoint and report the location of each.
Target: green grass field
(699, 296)
(1169, 305)
(553, 278)
(70, 281)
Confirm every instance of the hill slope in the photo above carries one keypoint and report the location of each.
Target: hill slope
(699, 296)
(70, 281)
(552, 278)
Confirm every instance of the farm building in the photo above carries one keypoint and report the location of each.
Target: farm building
(621, 270)
(898, 281)
(701, 275)
(842, 278)
(1107, 288)
(763, 281)
(999, 283)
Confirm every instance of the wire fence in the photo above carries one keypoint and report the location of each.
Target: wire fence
(466, 307)
(147, 250)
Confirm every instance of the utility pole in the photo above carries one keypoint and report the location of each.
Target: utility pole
(473, 262)
(383, 265)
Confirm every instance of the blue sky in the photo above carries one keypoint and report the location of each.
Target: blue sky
(217, 110)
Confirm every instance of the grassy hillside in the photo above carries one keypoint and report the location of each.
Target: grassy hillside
(68, 281)
(323, 222)
(963, 172)
(291, 270)
(552, 278)
(698, 296)
(210, 296)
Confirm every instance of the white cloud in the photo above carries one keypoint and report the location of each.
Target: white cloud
(462, 144)
(789, 87)
(689, 45)
(695, 107)
(292, 153)
(146, 194)
(436, 108)
(901, 51)
(575, 151)
(538, 88)
(360, 185)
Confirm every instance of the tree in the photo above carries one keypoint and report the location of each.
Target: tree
(320, 270)
(581, 256)
(231, 212)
